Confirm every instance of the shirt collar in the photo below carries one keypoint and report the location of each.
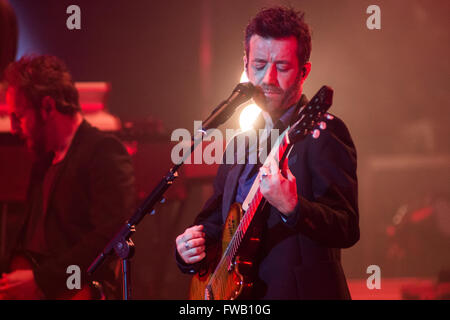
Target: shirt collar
(287, 116)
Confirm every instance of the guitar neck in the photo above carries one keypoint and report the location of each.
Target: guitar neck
(257, 199)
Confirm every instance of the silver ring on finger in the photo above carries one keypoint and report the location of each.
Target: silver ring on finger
(186, 245)
(265, 171)
(264, 175)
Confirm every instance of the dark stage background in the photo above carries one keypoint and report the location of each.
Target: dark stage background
(171, 62)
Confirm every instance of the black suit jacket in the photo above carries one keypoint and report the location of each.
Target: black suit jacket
(300, 258)
(90, 198)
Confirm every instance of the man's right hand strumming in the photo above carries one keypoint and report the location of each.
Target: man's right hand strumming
(191, 244)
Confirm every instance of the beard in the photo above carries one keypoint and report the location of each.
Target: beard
(281, 101)
(36, 139)
(36, 147)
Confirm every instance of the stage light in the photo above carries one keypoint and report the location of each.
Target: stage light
(250, 112)
(244, 77)
(248, 116)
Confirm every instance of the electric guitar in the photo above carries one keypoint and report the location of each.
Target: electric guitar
(231, 277)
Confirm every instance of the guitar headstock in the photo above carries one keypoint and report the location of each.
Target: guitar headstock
(311, 114)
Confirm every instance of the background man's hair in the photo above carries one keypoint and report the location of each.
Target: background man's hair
(39, 76)
(281, 22)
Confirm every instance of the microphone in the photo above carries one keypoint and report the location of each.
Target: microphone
(242, 93)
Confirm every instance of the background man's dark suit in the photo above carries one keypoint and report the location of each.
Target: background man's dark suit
(300, 258)
(90, 197)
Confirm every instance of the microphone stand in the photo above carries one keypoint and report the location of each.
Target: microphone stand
(121, 243)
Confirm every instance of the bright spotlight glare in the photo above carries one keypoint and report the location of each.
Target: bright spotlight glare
(244, 77)
(248, 116)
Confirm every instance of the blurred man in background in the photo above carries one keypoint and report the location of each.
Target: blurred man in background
(81, 187)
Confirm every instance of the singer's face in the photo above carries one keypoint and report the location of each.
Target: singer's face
(273, 65)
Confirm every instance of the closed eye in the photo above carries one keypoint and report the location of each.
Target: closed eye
(259, 63)
(283, 67)
(259, 66)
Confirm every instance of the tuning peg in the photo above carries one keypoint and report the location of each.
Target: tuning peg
(322, 125)
(163, 200)
(329, 116)
(316, 133)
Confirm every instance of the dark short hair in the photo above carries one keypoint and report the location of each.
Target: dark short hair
(281, 22)
(39, 76)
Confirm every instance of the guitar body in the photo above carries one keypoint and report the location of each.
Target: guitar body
(227, 281)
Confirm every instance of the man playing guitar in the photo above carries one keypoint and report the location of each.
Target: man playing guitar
(312, 208)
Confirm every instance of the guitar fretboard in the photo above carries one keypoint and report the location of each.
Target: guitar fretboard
(229, 254)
